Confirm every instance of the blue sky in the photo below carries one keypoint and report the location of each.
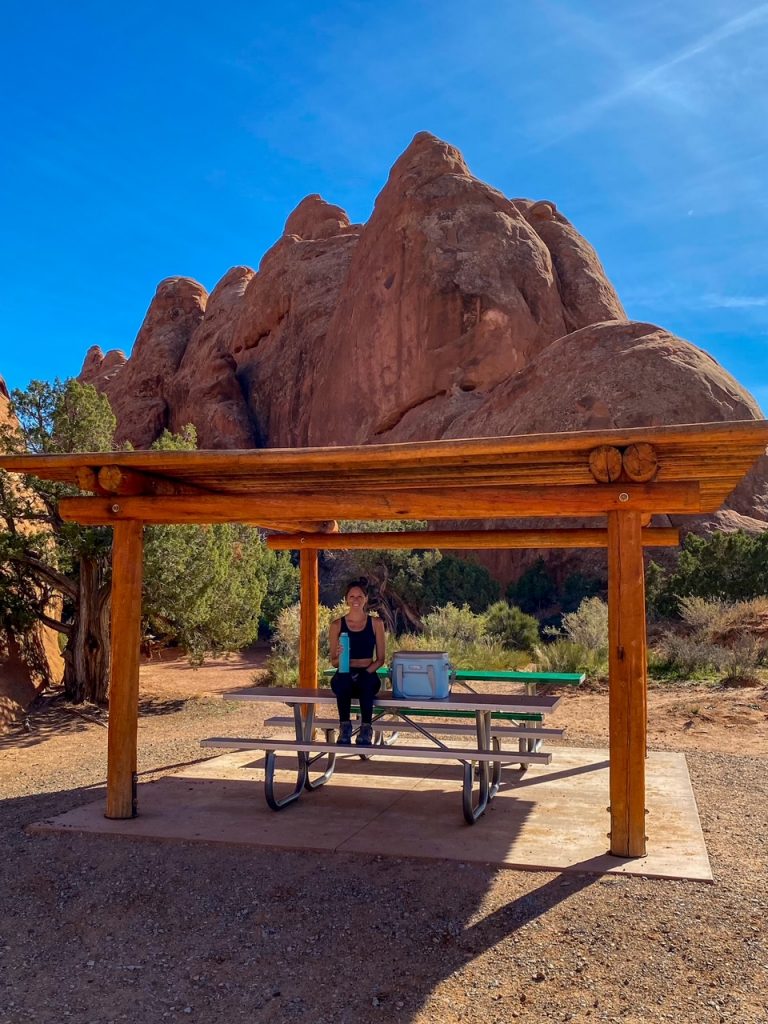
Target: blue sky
(146, 140)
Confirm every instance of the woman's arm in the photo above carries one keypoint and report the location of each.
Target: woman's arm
(333, 641)
(381, 646)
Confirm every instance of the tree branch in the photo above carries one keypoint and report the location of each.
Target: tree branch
(46, 572)
(60, 627)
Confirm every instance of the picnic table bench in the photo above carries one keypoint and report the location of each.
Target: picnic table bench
(486, 753)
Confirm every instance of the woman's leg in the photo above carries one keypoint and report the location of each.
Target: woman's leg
(367, 686)
(341, 684)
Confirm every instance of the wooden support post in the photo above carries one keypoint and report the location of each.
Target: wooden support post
(308, 638)
(628, 682)
(127, 552)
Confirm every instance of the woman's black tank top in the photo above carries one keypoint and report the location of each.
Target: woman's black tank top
(361, 641)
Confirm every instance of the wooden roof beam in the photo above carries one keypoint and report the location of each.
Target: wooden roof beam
(453, 540)
(453, 502)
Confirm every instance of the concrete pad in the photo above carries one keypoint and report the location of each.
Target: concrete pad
(551, 817)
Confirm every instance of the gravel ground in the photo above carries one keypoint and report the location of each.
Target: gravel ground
(94, 930)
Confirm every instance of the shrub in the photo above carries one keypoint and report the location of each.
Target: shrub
(723, 621)
(450, 624)
(511, 626)
(742, 662)
(283, 661)
(483, 654)
(685, 657)
(588, 626)
(725, 566)
(581, 644)
(535, 590)
(459, 581)
(566, 656)
(722, 638)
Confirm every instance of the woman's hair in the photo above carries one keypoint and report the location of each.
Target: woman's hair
(357, 584)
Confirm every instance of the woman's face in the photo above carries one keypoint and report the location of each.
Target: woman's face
(356, 599)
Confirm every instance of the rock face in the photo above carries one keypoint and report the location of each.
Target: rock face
(283, 322)
(454, 311)
(98, 369)
(450, 290)
(141, 390)
(205, 389)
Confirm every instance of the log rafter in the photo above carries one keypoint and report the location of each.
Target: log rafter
(448, 503)
(451, 540)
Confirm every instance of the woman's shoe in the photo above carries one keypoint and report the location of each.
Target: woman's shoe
(345, 734)
(365, 736)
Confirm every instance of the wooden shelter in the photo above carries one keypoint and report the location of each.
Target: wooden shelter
(618, 478)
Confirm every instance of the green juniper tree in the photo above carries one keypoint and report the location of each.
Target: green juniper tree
(204, 587)
(47, 563)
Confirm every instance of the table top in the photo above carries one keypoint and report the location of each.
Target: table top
(502, 676)
(510, 702)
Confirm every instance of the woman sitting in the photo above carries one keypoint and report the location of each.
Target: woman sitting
(367, 649)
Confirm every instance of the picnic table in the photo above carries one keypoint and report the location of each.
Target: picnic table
(485, 755)
(530, 680)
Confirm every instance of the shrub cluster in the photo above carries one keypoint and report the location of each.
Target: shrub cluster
(580, 644)
(729, 567)
(720, 639)
(498, 639)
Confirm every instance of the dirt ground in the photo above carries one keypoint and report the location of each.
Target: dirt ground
(95, 930)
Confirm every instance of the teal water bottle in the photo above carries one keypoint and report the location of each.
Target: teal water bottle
(344, 652)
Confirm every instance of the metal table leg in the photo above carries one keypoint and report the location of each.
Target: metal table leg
(472, 810)
(275, 802)
(304, 728)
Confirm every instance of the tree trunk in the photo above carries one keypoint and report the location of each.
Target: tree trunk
(86, 658)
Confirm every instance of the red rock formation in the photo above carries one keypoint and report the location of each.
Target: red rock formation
(141, 393)
(206, 391)
(453, 311)
(615, 375)
(98, 369)
(450, 290)
(284, 318)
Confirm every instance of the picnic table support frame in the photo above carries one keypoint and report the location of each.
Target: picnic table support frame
(127, 554)
(627, 669)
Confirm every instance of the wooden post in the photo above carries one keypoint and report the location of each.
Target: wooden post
(308, 638)
(628, 682)
(127, 552)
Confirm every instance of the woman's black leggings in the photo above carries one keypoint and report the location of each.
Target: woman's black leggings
(357, 683)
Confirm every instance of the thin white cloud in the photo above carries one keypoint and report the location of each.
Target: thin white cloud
(653, 80)
(735, 301)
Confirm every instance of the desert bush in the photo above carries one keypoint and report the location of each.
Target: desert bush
(580, 644)
(676, 656)
(283, 661)
(726, 639)
(725, 566)
(511, 626)
(741, 663)
(450, 624)
(482, 655)
(535, 590)
(725, 621)
(563, 655)
(588, 625)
